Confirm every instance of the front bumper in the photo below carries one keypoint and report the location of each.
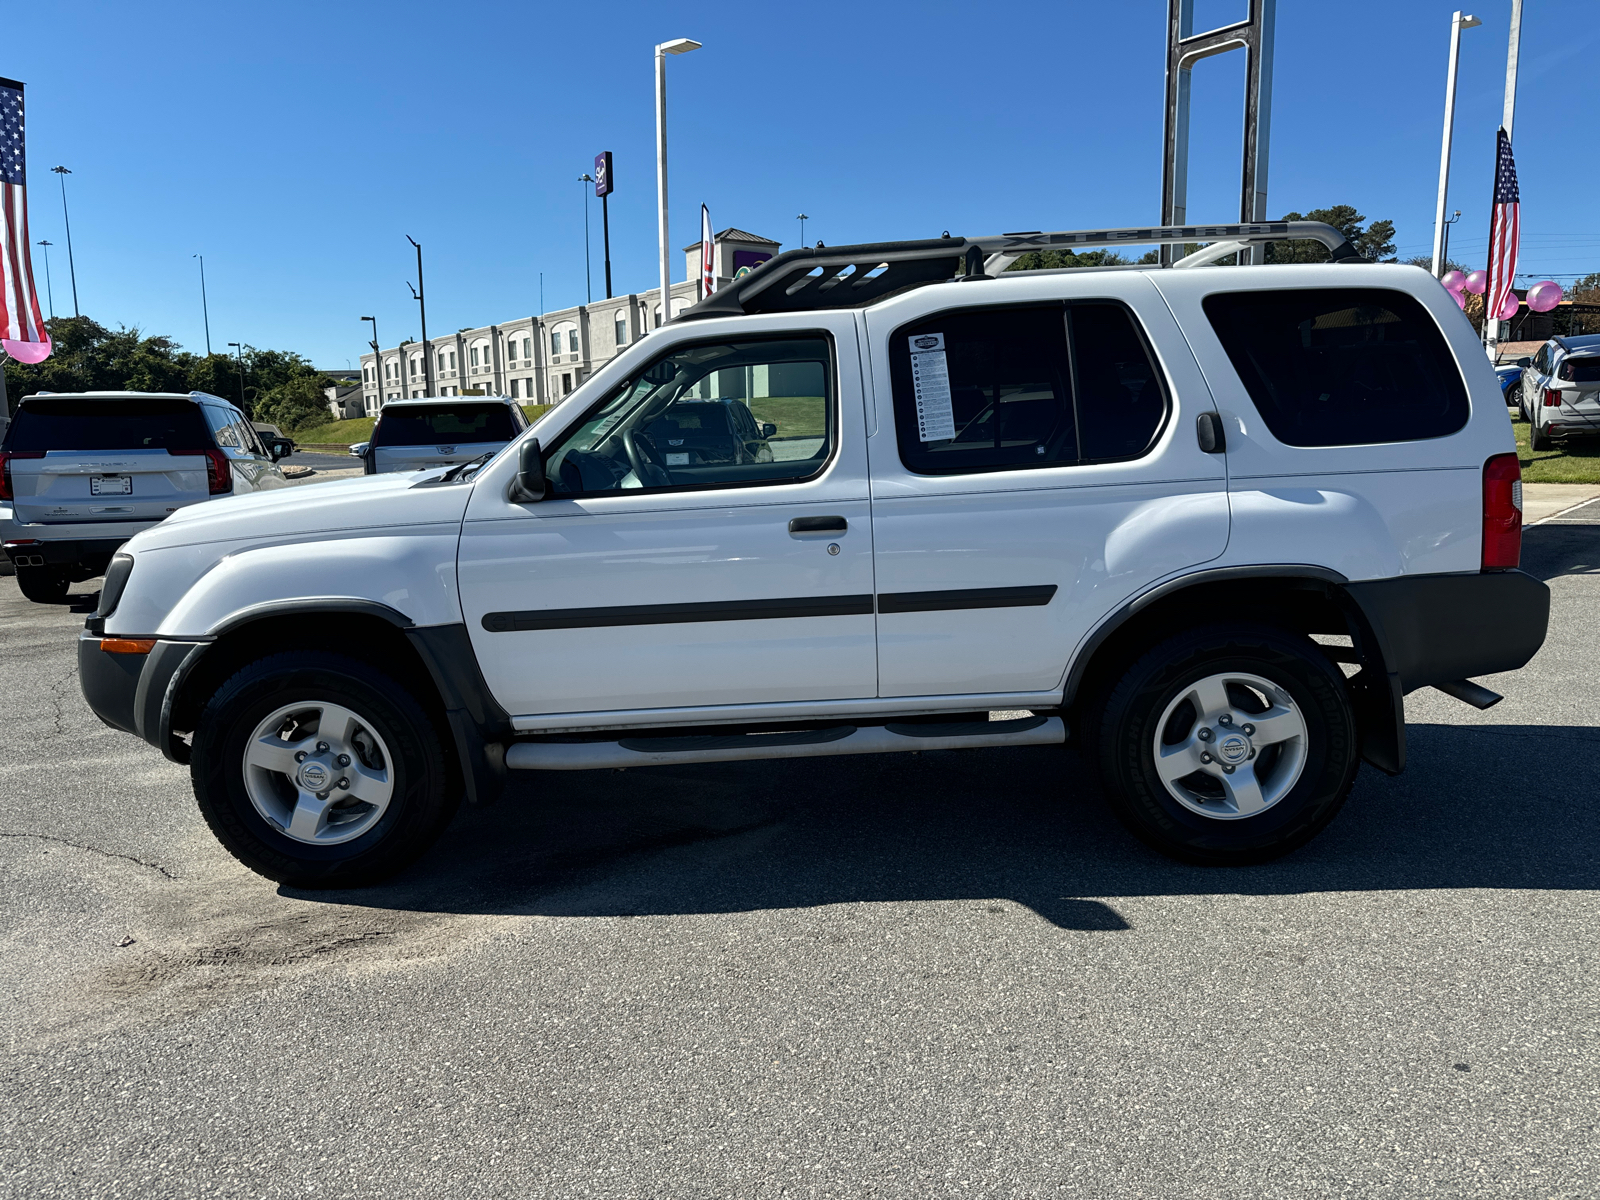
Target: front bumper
(133, 692)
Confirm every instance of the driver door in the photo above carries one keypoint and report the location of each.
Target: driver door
(670, 566)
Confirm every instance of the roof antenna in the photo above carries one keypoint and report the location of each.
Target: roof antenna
(974, 264)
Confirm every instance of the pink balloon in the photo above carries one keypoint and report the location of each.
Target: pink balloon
(1509, 307)
(1453, 280)
(1542, 297)
(1477, 282)
(1459, 297)
(27, 352)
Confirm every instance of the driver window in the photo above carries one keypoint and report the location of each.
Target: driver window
(718, 414)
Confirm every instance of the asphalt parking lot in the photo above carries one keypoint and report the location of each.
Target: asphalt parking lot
(942, 975)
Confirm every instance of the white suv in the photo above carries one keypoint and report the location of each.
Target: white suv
(1561, 390)
(1125, 501)
(83, 472)
(439, 431)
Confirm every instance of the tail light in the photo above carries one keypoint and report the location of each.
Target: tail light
(1502, 513)
(219, 478)
(7, 492)
(1552, 397)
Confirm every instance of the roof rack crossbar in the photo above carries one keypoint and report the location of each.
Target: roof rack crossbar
(810, 278)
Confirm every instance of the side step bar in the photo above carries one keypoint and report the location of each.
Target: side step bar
(810, 743)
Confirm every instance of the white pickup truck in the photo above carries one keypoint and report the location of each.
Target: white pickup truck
(1210, 523)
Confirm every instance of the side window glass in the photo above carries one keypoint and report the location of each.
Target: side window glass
(1121, 403)
(984, 390)
(693, 419)
(227, 433)
(1341, 366)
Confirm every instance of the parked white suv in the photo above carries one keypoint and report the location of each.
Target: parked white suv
(1561, 390)
(82, 472)
(439, 431)
(1126, 501)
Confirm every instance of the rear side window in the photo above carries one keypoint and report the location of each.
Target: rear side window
(141, 424)
(1341, 366)
(426, 424)
(1011, 388)
(1581, 370)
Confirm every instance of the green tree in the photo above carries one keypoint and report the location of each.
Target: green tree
(1374, 241)
(296, 403)
(1047, 260)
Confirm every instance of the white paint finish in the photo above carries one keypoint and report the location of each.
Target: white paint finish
(1101, 533)
(714, 545)
(1365, 526)
(410, 571)
(752, 714)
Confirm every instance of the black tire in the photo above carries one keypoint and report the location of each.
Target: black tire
(424, 795)
(43, 585)
(1125, 732)
(1538, 439)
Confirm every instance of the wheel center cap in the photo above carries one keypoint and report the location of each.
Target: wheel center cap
(314, 776)
(1234, 748)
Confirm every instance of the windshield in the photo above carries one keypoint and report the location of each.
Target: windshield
(144, 423)
(431, 424)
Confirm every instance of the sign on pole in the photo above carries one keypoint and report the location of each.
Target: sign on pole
(602, 173)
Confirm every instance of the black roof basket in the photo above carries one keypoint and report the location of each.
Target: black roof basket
(852, 276)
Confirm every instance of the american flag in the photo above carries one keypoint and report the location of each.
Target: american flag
(20, 318)
(708, 271)
(1505, 229)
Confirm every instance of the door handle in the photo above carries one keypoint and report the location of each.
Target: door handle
(818, 525)
(1208, 429)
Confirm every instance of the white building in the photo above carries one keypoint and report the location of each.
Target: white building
(539, 360)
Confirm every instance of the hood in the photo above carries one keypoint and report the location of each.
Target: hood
(307, 510)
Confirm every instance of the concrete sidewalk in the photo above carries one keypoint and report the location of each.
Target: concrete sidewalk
(1541, 501)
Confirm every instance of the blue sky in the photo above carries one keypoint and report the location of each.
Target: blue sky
(296, 144)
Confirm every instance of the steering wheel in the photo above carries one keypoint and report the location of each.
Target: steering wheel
(646, 462)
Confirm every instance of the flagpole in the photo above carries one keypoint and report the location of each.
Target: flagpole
(1511, 65)
(1458, 22)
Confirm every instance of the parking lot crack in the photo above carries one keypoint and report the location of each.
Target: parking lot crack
(45, 837)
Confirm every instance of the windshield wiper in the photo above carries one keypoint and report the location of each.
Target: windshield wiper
(461, 468)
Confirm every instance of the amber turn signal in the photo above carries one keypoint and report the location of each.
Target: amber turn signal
(127, 645)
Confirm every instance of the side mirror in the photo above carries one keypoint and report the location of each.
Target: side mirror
(768, 429)
(528, 487)
(279, 448)
(1524, 362)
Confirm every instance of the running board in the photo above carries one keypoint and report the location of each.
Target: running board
(895, 737)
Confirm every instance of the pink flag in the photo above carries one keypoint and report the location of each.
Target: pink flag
(22, 331)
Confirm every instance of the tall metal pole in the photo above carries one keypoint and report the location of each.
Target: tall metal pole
(605, 235)
(1458, 22)
(205, 309)
(676, 46)
(377, 360)
(422, 306)
(67, 221)
(48, 287)
(802, 218)
(588, 255)
(1511, 66)
(240, 350)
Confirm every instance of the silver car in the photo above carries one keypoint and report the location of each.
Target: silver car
(439, 431)
(1561, 390)
(82, 472)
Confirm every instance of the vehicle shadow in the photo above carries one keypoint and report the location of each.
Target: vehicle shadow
(1021, 825)
(1549, 551)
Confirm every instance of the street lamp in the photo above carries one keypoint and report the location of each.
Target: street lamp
(588, 254)
(377, 372)
(1458, 22)
(802, 218)
(1446, 256)
(240, 349)
(205, 309)
(49, 290)
(420, 297)
(65, 220)
(676, 46)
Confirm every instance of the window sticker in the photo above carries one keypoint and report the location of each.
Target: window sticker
(930, 375)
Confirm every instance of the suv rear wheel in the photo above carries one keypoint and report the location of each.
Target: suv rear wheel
(43, 585)
(1229, 744)
(317, 770)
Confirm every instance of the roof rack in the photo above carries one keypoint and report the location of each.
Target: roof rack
(850, 276)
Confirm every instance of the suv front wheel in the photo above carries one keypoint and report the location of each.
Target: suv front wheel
(317, 770)
(1229, 744)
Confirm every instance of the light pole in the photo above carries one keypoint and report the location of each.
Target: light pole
(240, 349)
(802, 218)
(1445, 258)
(588, 255)
(420, 296)
(1458, 22)
(205, 309)
(65, 220)
(377, 372)
(676, 46)
(49, 289)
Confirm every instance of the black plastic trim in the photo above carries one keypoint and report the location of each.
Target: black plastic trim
(109, 682)
(963, 598)
(677, 614)
(478, 725)
(317, 604)
(69, 552)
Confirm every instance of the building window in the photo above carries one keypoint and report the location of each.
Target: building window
(527, 348)
(572, 341)
(452, 360)
(511, 349)
(566, 383)
(413, 368)
(555, 342)
(622, 328)
(474, 356)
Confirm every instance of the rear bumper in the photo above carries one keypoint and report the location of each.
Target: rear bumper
(1440, 628)
(133, 692)
(33, 546)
